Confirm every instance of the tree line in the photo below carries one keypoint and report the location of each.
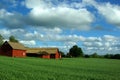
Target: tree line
(76, 51)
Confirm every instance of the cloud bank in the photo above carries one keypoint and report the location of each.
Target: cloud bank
(48, 15)
(109, 11)
(103, 44)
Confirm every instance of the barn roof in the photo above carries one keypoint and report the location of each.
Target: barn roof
(16, 45)
(42, 50)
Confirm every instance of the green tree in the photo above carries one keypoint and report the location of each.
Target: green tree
(107, 56)
(1, 39)
(94, 55)
(112, 56)
(116, 56)
(13, 39)
(87, 56)
(76, 51)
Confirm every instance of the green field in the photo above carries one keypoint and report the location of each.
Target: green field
(64, 69)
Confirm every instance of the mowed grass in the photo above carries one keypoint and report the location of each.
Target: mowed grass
(64, 69)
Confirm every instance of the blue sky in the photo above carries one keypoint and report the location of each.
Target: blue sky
(93, 25)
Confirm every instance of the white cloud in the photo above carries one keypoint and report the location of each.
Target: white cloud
(33, 35)
(98, 44)
(28, 43)
(46, 14)
(11, 20)
(107, 44)
(70, 44)
(109, 11)
(89, 2)
(91, 39)
(55, 30)
(43, 13)
(5, 32)
(93, 44)
(87, 44)
(4, 13)
(109, 49)
(110, 38)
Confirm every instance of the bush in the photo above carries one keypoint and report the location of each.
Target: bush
(112, 56)
(87, 56)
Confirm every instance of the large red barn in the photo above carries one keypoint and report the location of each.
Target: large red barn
(12, 49)
(44, 53)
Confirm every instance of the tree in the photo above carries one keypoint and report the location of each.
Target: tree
(87, 56)
(107, 56)
(76, 51)
(1, 39)
(116, 56)
(13, 39)
(94, 55)
(112, 56)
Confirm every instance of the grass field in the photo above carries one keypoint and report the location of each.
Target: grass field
(65, 69)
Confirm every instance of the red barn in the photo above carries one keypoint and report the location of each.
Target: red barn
(12, 49)
(44, 53)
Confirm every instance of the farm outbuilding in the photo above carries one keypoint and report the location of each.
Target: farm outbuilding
(44, 53)
(12, 49)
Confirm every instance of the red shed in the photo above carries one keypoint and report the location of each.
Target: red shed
(44, 53)
(12, 49)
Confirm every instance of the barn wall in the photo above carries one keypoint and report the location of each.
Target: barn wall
(47, 56)
(57, 55)
(6, 52)
(18, 53)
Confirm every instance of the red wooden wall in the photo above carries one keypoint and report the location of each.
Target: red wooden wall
(46, 56)
(57, 55)
(18, 53)
(51, 56)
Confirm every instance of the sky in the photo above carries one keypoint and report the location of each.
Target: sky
(93, 25)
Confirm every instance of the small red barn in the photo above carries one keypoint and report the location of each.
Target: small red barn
(44, 53)
(12, 49)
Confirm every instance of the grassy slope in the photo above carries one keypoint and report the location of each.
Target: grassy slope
(65, 69)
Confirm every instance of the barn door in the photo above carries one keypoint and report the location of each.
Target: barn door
(52, 56)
